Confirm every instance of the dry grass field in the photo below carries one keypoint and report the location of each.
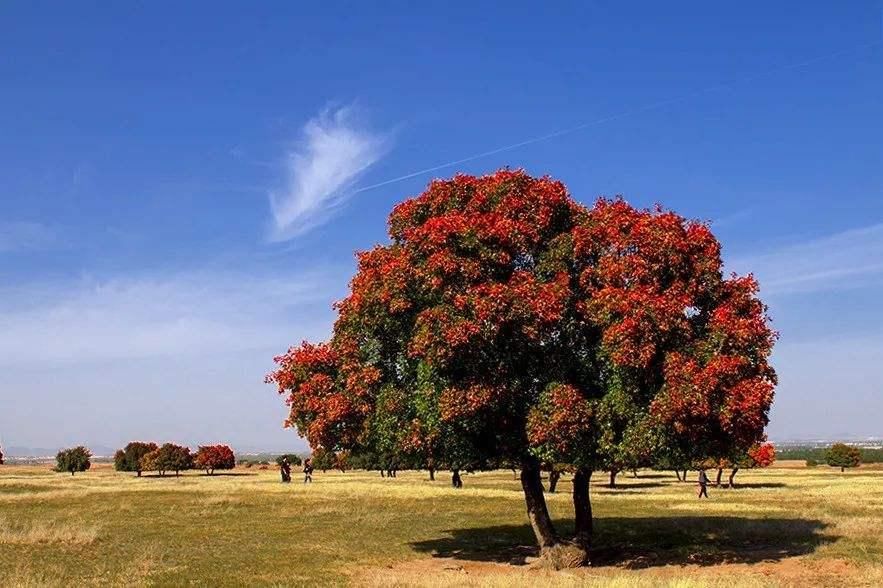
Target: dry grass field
(783, 526)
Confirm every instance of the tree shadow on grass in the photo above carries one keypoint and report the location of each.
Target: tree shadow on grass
(644, 542)
(628, 486)
(223, 474)
(750, 485)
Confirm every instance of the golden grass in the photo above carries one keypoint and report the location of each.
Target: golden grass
(788, 527)
(37, 532)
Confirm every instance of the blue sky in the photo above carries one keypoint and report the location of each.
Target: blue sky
(182, 187)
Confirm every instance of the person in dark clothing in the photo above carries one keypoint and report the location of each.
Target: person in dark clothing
(285, 468)
(703, 484)
(308, 470)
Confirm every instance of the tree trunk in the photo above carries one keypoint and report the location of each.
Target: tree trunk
(685, 475)
(139, 473)
(554, 476)
(582, 507)
(842, 469)
(382, 475)
(720, 472)
(733, 477)
(431, 474)
(678, 474)
(514, 474)
(613, 478)
(456, 481)
(635, 474)
(537, 513)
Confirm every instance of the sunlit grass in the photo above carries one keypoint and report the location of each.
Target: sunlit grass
(781, 526)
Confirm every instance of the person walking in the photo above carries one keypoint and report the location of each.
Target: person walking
(285, 468)
(308, 470)
(703, 484)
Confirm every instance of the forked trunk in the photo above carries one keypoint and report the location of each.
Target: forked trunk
(537, 513)
(733, 477)
(582, 508)
(720, 472)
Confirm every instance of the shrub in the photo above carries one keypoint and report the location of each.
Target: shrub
(811, 463)
(75, 459)
(214, 457)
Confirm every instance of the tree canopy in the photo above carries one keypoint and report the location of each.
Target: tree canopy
(843, 456)
(128, 459)
(214, 457)
(75, 459)
(506, 322)
(168, 458)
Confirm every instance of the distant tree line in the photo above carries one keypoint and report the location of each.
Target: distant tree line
(819, 455)
(139, 456)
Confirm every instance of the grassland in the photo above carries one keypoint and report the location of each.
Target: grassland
(789, 527)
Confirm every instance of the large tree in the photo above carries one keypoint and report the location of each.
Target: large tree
(506, 323)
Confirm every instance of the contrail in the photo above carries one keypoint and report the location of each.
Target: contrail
(625, 113)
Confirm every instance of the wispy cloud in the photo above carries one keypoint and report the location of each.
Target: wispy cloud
(842, 260)
(23, 236)
(334, 150)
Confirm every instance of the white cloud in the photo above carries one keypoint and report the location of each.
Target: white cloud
(333, 152)
(842, 260)
(171, 356)
(181, 315)
(20, 236)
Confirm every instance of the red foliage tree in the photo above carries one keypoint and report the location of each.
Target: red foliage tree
(506, 323)
(759, 455)
(762, 455)
(214, 457)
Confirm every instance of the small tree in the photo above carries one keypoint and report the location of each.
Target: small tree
(214, 457)
(293, 459)
(169, 457)
(128, 459)
(323, 460)
(843, 456)
(75, 459)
